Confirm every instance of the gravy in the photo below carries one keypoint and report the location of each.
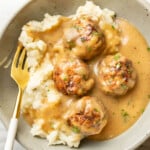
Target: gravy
(125, 110)
(122, 111)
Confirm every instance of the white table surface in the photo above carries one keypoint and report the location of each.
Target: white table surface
(17, 146)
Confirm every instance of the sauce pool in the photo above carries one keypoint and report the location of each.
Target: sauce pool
(124, 111)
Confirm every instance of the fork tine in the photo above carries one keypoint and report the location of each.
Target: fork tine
(22, 59)
(15, 59)
(25, 64)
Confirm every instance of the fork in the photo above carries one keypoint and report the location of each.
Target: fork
(19, 72)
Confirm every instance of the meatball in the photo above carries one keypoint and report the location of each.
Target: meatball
(116, 75)
(71, 77)
(88, 40)
(87, 116)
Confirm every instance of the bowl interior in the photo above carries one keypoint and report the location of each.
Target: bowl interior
(134, 11)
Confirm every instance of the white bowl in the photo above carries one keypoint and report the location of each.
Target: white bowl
(136, 11)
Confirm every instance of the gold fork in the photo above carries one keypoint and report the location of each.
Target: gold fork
(19, 72)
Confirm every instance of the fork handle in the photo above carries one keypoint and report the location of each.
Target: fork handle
(11, 134)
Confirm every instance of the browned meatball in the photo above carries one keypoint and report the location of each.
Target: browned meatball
(88, 40)
(71, 77)
(87, 116)
(116, 74)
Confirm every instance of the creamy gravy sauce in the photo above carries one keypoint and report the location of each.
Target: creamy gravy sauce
(122, 111)
(125, 110)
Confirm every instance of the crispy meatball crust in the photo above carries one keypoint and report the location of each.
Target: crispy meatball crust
(71, 77)
(116, 75)
(90, 40)
(87, 115)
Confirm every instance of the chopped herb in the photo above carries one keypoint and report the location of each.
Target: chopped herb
(71, 44)
(124, 115)
(142, 110)
(83, 39)
(95, 109)
(113, 27)
(77, 27)
(48, 90)
(130, 71)
(148, 49)
(84, 76)
(75, 129)
(98, 121)
(65, 79)
(52, 125)
(89, 48)
(116, 57)
(148, 96)
(96, 34)
(123, 86)
(138, 62)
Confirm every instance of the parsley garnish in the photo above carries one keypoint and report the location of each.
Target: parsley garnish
(89, 48)
(123, 86)
(148, 49)
(83, 39)
(95, 109)
(142, 110)
(77, 27)
(52, 125)
(75, 129)
(71, 44)
(116, 57)
(124, 115)
(65, 79)
(113, 27)
(96, 33)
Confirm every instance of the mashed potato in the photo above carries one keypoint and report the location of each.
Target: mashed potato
(41, 94)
